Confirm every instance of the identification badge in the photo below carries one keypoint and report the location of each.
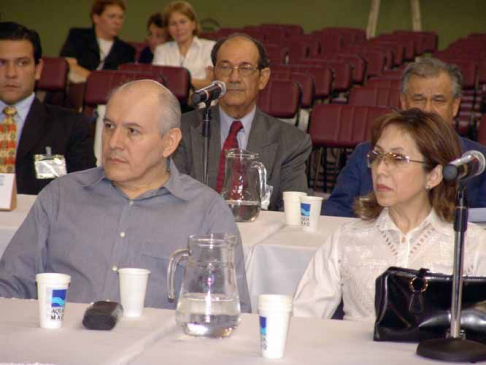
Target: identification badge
(49, 166)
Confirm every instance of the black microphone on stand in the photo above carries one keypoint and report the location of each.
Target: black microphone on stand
(455, 347)
(471, 164)
(209, 93)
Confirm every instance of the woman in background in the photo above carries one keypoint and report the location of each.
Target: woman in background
(156, 36)
(405, 221)
(185, 48)
(98, 47)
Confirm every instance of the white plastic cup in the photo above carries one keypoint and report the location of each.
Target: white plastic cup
(133, 286)
(274, 311)
(52, 292)
(292, 207)
(310, 208)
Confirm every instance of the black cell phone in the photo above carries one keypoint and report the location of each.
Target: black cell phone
(102, 315)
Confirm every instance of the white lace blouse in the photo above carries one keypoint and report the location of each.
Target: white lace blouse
(349, 262)
(198, 56)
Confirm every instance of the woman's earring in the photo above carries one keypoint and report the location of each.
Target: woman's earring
(427, 188)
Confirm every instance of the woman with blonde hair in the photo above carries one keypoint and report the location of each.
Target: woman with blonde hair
(406, 221)
(185, 48)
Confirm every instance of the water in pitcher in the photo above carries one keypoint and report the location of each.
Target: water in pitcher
(216, 316)
(244, 211)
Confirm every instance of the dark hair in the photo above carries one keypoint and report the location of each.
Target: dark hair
(155, 19)
(426, 67)
(99, 6)
(263, 60)
(439, 145)
(184, 8)
(16, 32)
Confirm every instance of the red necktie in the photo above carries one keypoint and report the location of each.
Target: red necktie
(229, 143)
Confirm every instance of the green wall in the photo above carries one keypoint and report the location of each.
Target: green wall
(450, 18)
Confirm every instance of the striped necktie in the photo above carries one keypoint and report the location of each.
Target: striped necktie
(8, 141)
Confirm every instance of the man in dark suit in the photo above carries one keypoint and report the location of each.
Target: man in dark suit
(428, 84)
(242, 63)
(39, 127)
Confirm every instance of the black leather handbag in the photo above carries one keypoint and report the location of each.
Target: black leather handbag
(414, 305)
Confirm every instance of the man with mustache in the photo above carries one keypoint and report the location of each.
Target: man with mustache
(432, 86)
(242, 63)
(135, 211)
(36, 127)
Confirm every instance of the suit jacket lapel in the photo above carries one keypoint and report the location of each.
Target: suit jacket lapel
(262, 140)
(111, 57)
(33, 130)
(94, 47)
(214, 147)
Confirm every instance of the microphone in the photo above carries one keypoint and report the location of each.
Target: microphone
(209, 93)
(471, 164)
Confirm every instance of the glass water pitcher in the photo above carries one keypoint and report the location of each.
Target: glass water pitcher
(208, 304)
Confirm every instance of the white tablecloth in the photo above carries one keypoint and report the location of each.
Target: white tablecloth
(155, 339)
(276, 264)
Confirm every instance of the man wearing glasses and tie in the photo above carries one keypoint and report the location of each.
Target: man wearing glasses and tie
(432, 86)
(242, 64)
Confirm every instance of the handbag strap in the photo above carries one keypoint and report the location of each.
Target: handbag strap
(418, 285)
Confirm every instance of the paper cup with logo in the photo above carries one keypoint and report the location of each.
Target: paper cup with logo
(133, 286)
(310, 210)
(274, 311)
(52, 293)
(292, 207)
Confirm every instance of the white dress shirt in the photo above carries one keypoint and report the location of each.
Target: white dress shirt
(349, 262)
(242, 137)
(198, 56)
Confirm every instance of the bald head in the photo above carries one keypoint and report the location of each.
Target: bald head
(153, 95)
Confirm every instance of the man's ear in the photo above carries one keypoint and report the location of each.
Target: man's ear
(171, 140)
(38, 69)
(403, 102)
(455, 106)
(264, 77)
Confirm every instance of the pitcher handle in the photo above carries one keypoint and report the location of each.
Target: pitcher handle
(262, 176)
(175, 258)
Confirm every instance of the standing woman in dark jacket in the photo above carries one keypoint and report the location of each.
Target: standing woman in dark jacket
(98, 47)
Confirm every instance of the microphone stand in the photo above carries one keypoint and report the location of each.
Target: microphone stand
(206, 131)
(455, 347)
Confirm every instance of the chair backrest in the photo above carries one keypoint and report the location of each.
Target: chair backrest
(177, 79)
(358, 64)
(375, 60)
(407, 42)
(384, 82)
(280, 99)
(101, 82)
(322, 75)
(306, 82)
(343, 76)
(374, 96)
(312, 43)
(54, 74)
(341, 125)
(396, 46)
(276, 53)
